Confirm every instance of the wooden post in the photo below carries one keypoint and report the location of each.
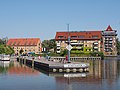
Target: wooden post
(33, 62)
(25, 61)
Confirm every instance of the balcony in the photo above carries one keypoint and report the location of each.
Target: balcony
(79, 47)
(95, 47)
(58, 51)
(58, 47)
(76, 43)
(96, 43)
(110, 42)
(58, 44)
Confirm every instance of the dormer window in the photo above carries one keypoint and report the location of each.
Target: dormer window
(60, 37)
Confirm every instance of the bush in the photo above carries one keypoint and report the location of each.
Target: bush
(95, 54)
(64, 52)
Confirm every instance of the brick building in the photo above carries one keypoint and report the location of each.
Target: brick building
(28, 45)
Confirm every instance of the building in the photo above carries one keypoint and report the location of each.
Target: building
(27, 45)
(109, 42)
(87, 41)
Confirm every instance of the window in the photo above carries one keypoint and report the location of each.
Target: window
(14, 43)
(80, 36)
(73, 36)
(18, 43)
(60, 37)
(10, 43)
(95, 36)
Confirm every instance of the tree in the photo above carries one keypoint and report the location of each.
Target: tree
(49, 44)
(53, 44)
(1, 42)
(118, 46)
(64, 52)
(6, 49)
(21, 51)
(46, 44)
(2, 50)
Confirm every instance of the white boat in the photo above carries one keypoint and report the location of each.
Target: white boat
(4, 57)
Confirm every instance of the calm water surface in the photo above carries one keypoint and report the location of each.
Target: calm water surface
(102, 75)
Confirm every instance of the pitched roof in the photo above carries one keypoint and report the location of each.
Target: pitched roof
(82, 35)
(23, 42)
(109, 28)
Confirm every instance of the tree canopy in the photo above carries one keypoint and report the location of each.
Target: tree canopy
(49, 44)
(118, 46)
(6, 49)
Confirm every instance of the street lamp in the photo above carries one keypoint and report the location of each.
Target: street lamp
(68, 44)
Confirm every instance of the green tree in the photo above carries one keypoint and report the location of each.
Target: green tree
(6, 49)
(21, 51)
(1, 42)
(53, 45)
(118, 46)
(64, 52)
(2, 49)
(46, 44)
(49, 44)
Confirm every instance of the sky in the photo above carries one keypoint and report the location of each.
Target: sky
(43, 18)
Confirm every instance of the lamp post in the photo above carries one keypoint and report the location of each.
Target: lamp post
(68, 44)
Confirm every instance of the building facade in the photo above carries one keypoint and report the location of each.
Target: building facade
(87, 41)
(27, 45)
(109, 42)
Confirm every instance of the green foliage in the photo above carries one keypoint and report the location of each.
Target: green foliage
(49, 44)
(87, 52)
(95, 54)
(118, 46)
(6, 49)
(21, 51)
(2, 49)
(53, 54)
(64, 52)
(87, 49)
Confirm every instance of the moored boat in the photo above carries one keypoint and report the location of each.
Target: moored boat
(4, 57)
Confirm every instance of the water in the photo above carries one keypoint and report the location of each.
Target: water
(102, 75)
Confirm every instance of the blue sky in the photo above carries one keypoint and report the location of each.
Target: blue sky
(42, 18)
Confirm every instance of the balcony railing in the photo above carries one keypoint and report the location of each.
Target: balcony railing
(58, 44)
(76, 43)
(58, 51)
(95, 47)
(96, 43)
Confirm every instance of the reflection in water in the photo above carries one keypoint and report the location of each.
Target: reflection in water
(4, 67)
(22, 69)
(4, 63)
(102, 75)
(14, 67)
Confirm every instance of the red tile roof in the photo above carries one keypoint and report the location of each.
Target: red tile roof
(109, 28)
(23, 42)
(82, 35)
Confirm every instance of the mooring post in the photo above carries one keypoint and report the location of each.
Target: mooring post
(33, 62)
(25, 61)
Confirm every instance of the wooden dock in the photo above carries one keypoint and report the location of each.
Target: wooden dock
(55, 66)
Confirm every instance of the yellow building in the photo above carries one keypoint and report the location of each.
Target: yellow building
(27, 45)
